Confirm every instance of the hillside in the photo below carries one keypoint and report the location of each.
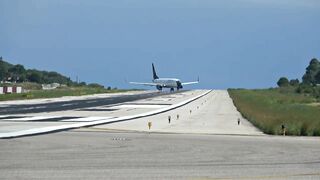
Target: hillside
(18, 73)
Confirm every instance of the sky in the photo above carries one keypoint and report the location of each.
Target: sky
(228, 44)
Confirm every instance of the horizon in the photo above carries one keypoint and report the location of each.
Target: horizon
(238, 44)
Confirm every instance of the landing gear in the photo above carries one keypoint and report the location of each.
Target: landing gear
(172, 90)
(159, 88)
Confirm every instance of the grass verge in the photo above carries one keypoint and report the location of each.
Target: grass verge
(60, 92)
(270, 108)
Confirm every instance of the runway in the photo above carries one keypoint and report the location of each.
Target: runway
(144, 104)
(107, 155)
(12, 109)
(202, 140)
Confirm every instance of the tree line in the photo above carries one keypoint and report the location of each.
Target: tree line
(310, 80)
(18, 73)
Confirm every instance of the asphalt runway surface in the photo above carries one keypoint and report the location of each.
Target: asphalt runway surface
(124, 151)
(75, 104)
(118, 155)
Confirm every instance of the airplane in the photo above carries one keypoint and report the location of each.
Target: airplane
(161, 83)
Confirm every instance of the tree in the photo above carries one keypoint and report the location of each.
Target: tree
(34, 77)
(317, 78)
(283, 82)
(311, 71)
(17, 72)
(294, 82)
(17, 69)
(3, 70)
(305, 89)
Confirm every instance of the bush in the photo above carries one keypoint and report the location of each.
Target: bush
(283, 82)
(294, 82)
(96, 85)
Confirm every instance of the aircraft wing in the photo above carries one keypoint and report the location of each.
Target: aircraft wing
(146, 84)
(187, 83)
(194, 82)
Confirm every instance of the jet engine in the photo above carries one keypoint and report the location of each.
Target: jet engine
(159, 88)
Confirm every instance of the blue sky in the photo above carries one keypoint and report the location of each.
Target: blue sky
(239, 43)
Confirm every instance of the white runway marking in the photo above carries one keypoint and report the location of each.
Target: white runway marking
(3, 116)
(139, 106)
(91, 101)
(37, 107)
(67, 104)
(86, 119)
(31, 118)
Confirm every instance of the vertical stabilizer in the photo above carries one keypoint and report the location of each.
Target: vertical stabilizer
(154, 72)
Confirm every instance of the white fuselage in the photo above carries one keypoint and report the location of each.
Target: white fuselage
(160, 83)
(167, 82)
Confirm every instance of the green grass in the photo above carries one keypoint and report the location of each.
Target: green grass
(60, 92)
(270, 108)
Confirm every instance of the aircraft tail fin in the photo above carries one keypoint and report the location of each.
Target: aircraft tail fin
(154, 72)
